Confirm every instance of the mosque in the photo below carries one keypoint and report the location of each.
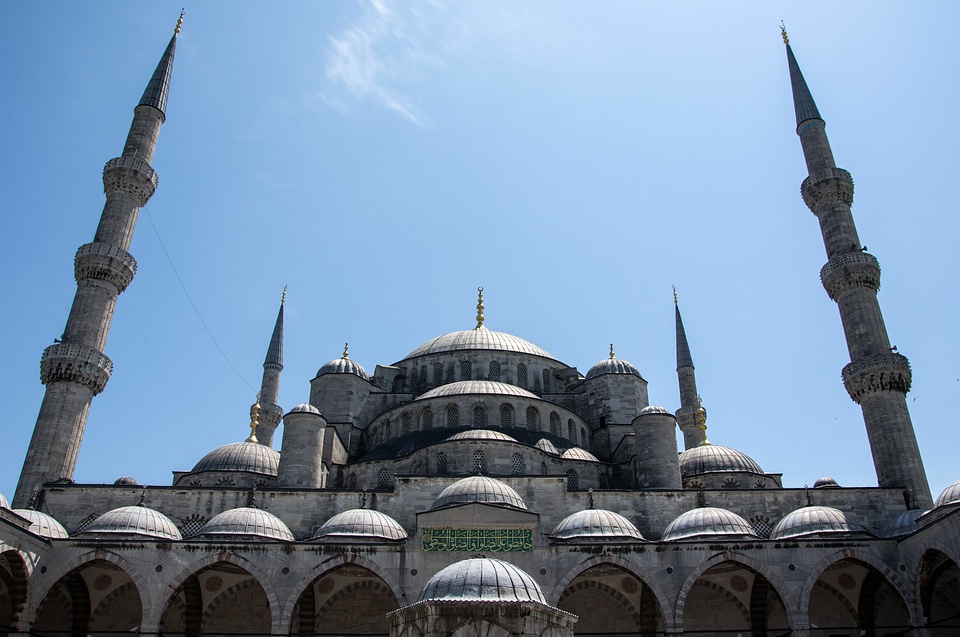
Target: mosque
(478, 487)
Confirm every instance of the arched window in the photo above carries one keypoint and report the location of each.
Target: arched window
(388, 432)
(546, 379)
(479, 462)
(573, 480)
(398, 384)
(453, 416)
(438, 374)
(571, 431)
(555, 423)
(521, 375)
(493, 371)
(404, 423)
(479, 416)
(384, 479)
(604, 483)
(583, 437)
(506, 416)
(426, 420)
(533, 419)
(516, 465)
(352, 481)
(441, 463)
(543, 469)
(466, 370)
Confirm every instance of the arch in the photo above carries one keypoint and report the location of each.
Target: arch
(466, 369)
(521, 375)
(398, 382)
(533, 419)
(352, 480)
(404, 423)
(441, 464)
(426, 419)
(555, 423)
(506, 415)
(517, 465)
(14, 575)
(571, 431)
(573, 480)
(493, 371)
(480, 628)
(479, 462)
(937, 574)
(453, 416)
(437, 374)
(479, 416)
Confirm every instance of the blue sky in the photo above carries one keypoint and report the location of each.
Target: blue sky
(383, 159)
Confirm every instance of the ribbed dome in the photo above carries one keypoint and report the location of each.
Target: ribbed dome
(343, 366)
(596, 525)
(949, 495)
(482, 434)
(825, 483)
(480, 338)
(42, 524)
(653, 409)
(3, 502)
(479, 489)
(545, 445)
(715, 459)
(133, 520)
(241, 456)
(304, 408)
(576, 453)
(464, 387)
(814, 521)
(247, 523)
(482, 579)
(707, 522)
(361, 524)
(125, 481)
(903, 524)
(612, 366)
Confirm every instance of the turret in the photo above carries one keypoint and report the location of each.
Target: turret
(657, 465)
(687, 377)
(271, 412)
(75, 369)
(877, 378)
(301, 460)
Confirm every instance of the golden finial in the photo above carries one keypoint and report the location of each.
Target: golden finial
(176, 30)
(346, 350)
(254, 421)
(611, 351)
(783, 32)
(283, 297)
(675, 302)
(702, 422)
(479, 309)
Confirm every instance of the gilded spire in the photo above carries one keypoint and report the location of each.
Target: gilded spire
(611, 352)
(675, 301)
(283, 297)
(176, 30)
(480, 309)
(702, 423)
(346, 351)
(783, 33)
(254, 421)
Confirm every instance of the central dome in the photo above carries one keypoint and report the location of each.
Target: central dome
(478, 338)
(482, 579)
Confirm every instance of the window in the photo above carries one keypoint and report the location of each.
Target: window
(555, 423)
(543, 469)
(546, 379)
(438, 374)
(479, 416)
(506, 416)
(493, 371)
(352, 481)
(571, 431)
(516, 465)
(441, 463)
(762, 525)
(404, 423)
(453, 416)
(533, 419)
(583, 437)
(604, 483)
(398, 384)
(384, 479)
(466, 370)
(573, 480)
(479, 462)
(426, 420)
(521, 375)
(192, 525)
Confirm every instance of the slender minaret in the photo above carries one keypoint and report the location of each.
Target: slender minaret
(270, 411)
(877, 378)
(687, 377)
(75, 369)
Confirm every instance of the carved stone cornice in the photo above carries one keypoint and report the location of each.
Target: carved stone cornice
(850, 271)
(104, 262)
(826, 188)
(876, 373)
(132, 176)
(73, 363)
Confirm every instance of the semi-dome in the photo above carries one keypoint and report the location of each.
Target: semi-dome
(596, 525)
(478, 339)
(247, 523)
(653, 409)
(576, 453)
(709, 458)
(814, 521)
(707, 522)
(482, 434)
(42, 524)
(359, 525)
(343, 365)
(612, 366)
(950, 495)
(251, 457)
(482, 579)
(826, 483)
(479, 489)
(125, 481)
(465, 387)
(304, 408)
(138, 521)
(546, 445)
(903, 524)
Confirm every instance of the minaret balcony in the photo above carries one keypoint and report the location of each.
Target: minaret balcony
(104, 262)
(876, 373)
(850, 271)
(130, 175)
(67, 362)
(826, 188)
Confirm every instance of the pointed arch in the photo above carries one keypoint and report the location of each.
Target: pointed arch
(14, 576)
(938, 579)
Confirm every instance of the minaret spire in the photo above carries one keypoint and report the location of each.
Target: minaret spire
(269, 413)
(75, 369)
(877, 377)
(687, 378)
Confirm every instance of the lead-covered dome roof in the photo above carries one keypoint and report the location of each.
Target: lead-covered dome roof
(43, 524)
(482, 434)
(482, 579)
(707, 458)
(251, 457)
(247, 523)
(137, 521)
(950, 495)
(361, 524)
(479, 338)
(903, 524)
(343, 365)
(464, 387)
(479, 489)
(707, 522)
(577, 453)
(596, 525)
(612, 366)
(815, 521)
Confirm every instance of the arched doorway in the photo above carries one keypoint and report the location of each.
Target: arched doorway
(13, 591)
(732, 598)
(347, 600)
(853, 598)
(96, 598)
(939, 580)
(609, 600)
(221, 599)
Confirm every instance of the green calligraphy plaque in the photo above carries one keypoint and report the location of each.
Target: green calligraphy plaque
(478, 540)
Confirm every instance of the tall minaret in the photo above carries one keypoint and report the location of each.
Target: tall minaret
(877, 378)
(687, 376)
(270, 411)
(75, 369)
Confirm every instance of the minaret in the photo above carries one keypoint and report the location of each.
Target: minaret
(75, 369)
(877, 378)
(270, 411)
(687, 377)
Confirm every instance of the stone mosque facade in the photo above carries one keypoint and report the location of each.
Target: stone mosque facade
(479, 487)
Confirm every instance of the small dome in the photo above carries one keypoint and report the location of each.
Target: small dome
(479, 489)
(42, 524)
(654, 409)
(715, 459)
(480, 338)
(814, 521)
(464, 387)
(612, 366)
(903, 524)
(125, 481)
(482, 579)
(482, 434)
(545, 445)
(950, 495)
(343, 366)
(596, 525)
(249, 523)
(826, 483)
(707, 522)
(576, 453)
(304, 408)
(241, 456)
(361, 524)
(133, 520)
(3, 502)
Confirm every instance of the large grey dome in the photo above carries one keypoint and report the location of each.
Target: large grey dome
(709, 458)
(596, 525)
(247, 523)
(482, 579)
(612, 366)
(950, 495)
(465, 387)
(826, 482)
(707, 522)
(903, 524)
(361, 524)
(138, 521)
(576, 453)
(42, 524)
(343, 366)
(479, 489)
(304, 408)
(814, 521)
(251, 457)
(478, 338)
(481, 434)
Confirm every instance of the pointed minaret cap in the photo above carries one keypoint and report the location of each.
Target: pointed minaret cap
(158, 89)
(275, 351)
(684, 359)
(803, 103)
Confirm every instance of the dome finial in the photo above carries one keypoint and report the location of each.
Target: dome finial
(702, 422)
(254, 421)
(783, 33)
(479, 308)
(675, 302)
(346, 351)
(176, 30)
(611, 352)
(283, 297)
